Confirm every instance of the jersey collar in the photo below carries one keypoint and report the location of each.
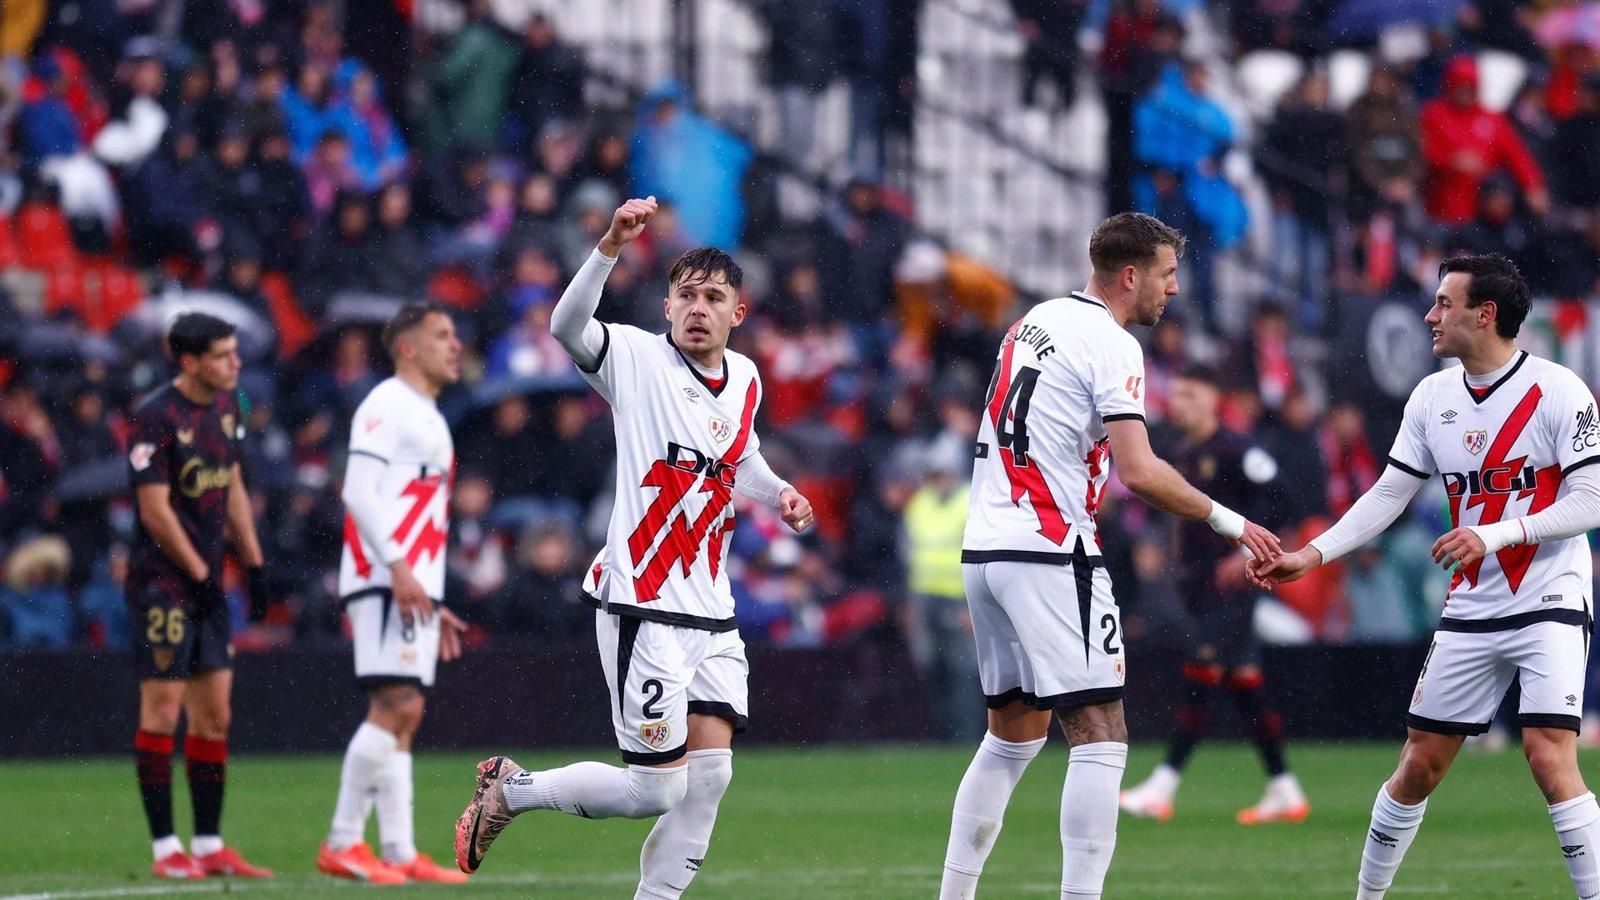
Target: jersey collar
(1479, 395)
(1081, 297)
(716, 390)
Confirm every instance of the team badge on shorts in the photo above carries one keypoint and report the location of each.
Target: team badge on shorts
(1416, 696)
(1117, 668)
(721, 428)
(1475, 440)
(656, 734)
(163, 658)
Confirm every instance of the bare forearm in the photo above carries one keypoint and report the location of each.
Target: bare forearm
(1160, 485)
(242, 525)
(163, 525)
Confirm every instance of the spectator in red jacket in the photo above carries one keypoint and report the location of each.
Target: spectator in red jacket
(1463, 143)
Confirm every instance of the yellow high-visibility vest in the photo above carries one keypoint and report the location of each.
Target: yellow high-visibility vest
(933, 537)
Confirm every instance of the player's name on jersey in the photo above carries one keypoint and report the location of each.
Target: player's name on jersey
(1037, 338)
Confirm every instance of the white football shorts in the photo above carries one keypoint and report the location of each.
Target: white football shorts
(388, 651)
(659, 674)
(1467, 672)
(1047, 634)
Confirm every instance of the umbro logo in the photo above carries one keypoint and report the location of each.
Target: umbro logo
(1572, 699)
(1448, 415)
(694, 864)
(1572, 851)
(691, 393)
(1387, 840)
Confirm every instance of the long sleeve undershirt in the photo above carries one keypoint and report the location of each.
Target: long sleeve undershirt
(362, 476)
(1370, 514)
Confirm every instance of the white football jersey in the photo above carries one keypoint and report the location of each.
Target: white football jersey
(1064, 370)
(1503, 452)
(680, 438)
(403, 429)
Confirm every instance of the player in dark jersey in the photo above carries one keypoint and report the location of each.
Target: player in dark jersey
(1220, 603)
(184, 460)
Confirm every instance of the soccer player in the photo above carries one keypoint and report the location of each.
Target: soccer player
(1514, 437)
(1215, 589)
(189, 494)
(685, 409)
(391, 580)
(1067, 396)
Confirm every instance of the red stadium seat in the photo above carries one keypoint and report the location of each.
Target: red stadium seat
(9, 253)
(43, 237)
(295, 328)
(65, 287)
(455, 287)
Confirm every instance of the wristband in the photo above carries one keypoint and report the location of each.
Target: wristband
(1498, 535)
(1225, 521)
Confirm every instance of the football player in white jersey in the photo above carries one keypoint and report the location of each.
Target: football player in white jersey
(684, 408)
(1514, 438)
(1067, 396)
(391, 581)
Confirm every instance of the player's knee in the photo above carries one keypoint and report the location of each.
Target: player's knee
(161, 717)
(1421, 770)
(656, 791)
(1550, 761)
(710, 772)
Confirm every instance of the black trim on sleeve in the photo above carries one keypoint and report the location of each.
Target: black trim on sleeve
(1493, 387)
(1068, 701)
(1435, 726)
(1587, 461)
(382, 459)
(722, 711)
(635, 758)
(1549, 720)
(605, 347)
(1409, 469)
(1511, 623)
(1119, 417)
(675, 619)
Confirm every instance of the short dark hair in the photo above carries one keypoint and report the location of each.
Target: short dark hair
(1131, 239)
(1494, 278)
(408, 317)
(703, 264)
(193, 333)
(1200, 372)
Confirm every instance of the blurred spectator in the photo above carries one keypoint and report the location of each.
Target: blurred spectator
(858, 246)
(376, 148)
(546, 85)
(164, 201)
(542, 597)
(1464, 142)
(138, 119)
(229, 184)
(1303, 159)
(951, 303)
(340, 255)
(47, 126)
(34, 598)
(937, 624)
(1264, 361)
(1576, 137)
(329, 171)
(477, 555)
(1140, 41)
(1290, 438)
(282, 212)
(30, 456)
(607, 161)
(1500, 228)
(583, 442)
(1049, 30)
(1348, 456)
(801, 64)
(92, 472)
(103, 605)
(1181, 132)
(1385, 145)
(681, 157)
(501, 451)
(329, 395)
(1376, 600)
(471, 81)
(398, 243)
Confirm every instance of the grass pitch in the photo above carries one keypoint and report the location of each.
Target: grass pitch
(837, 823)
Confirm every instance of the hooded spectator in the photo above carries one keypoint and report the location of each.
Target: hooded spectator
(680, 156)
(1464, 142)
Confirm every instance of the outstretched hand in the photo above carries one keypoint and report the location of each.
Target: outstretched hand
(627, 223)
(1268, 573)
(1261, 543)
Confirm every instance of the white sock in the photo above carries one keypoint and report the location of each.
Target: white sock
(677, 845)
(980, 807)
(597, 791)
(1164, 781)
(1089, 816)
(166, 846)
(365, 760)
(395, 831)
(1577, 822)
(205, 844)
(1394, 825)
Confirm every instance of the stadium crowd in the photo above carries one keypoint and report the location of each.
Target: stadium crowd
(300, 171)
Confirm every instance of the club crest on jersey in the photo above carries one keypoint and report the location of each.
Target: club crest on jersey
(1475, 440)
(227, 425)
(656, 734)
(721, 428)
(139, 457)
(185, 436)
